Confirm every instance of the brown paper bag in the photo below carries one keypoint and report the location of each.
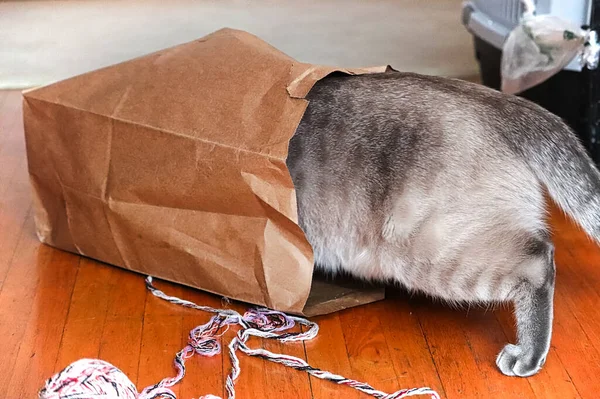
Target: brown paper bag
(173, 165)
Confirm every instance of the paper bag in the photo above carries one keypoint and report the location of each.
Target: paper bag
(173, 165)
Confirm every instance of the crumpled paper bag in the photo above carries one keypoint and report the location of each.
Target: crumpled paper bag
(173, 165)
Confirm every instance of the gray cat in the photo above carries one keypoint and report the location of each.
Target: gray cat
(438, 184)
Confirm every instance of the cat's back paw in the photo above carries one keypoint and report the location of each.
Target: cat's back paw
(515, 362)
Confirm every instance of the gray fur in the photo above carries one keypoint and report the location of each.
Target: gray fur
(438, 184)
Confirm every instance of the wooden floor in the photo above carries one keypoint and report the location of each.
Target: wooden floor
(56, 308)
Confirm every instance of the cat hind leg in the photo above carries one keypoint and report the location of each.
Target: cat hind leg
(533, 300)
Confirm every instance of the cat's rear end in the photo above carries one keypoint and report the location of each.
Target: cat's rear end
(432, 183)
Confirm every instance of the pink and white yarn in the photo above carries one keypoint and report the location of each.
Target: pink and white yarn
(97, 379)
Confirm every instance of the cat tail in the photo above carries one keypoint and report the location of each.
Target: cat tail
(562, 164)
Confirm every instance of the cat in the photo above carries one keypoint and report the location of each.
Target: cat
(439, 184)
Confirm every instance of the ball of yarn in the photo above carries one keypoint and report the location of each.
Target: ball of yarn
(87, 379)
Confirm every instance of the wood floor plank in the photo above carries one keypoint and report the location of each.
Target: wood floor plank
(284, 382)
(87, 313)
(17, 298)
(16, 204)
(161, 338)
(407, 344)
(575, 335)
(15, 194)
(579, 272)
(205, 374)
(252, 382)
(454, 359)
(12, 141)
(368, 352)
(328, 352)
(40, 344)
(576, 352)
(122, 334)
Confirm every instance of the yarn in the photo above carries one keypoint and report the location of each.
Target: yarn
(89, 378)
(97, 379)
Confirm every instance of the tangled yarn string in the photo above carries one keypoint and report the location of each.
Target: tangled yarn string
(97, 379)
